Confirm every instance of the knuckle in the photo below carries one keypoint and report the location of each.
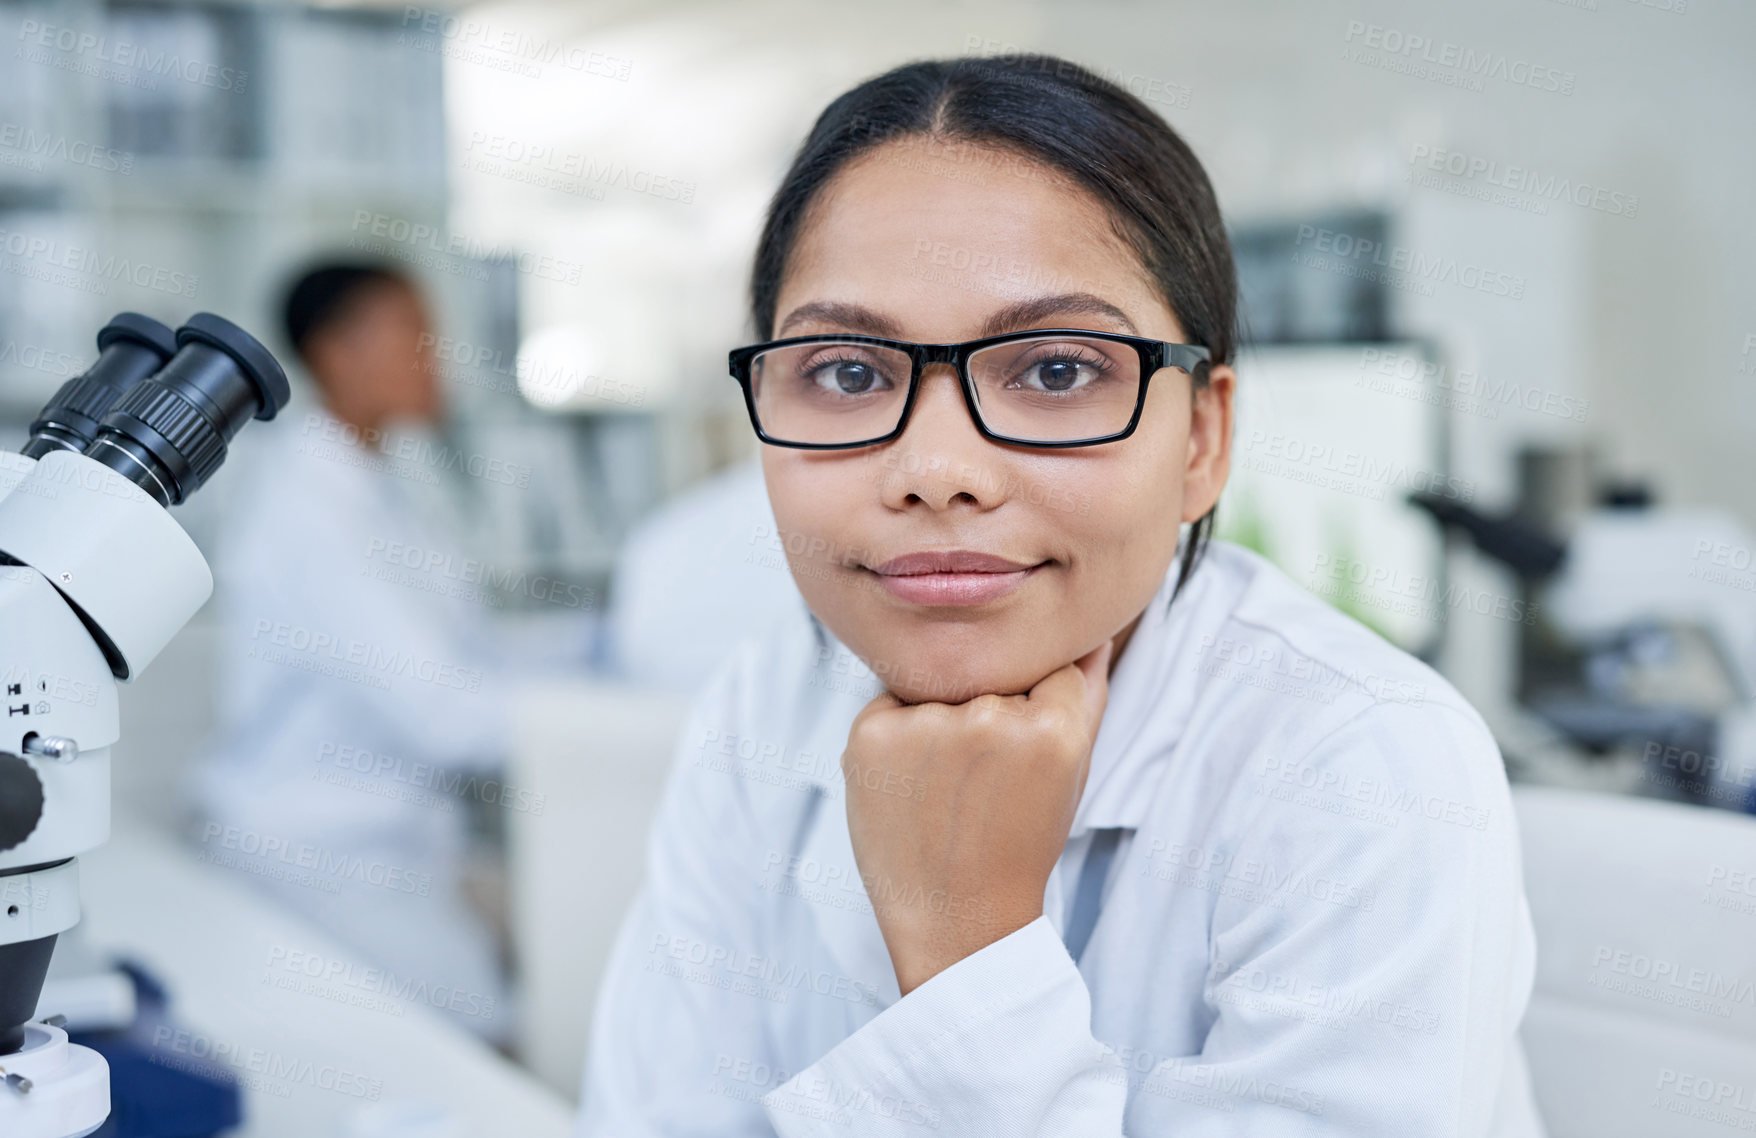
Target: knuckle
(983, 711)
(1053, 720)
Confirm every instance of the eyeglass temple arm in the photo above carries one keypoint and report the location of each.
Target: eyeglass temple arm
(1189, 357)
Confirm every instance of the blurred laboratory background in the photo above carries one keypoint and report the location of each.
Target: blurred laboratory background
(1497, 401)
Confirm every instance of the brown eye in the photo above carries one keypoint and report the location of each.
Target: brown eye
(848, 378)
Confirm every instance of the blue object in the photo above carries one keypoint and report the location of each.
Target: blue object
(196, 1098)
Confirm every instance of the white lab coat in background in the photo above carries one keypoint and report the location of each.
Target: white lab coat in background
(358, 696)
(696, 577)
(1314, 924)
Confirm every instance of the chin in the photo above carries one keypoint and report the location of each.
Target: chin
(955, 674)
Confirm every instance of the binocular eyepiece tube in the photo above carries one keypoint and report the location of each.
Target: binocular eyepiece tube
(160, 407)
(130, 348)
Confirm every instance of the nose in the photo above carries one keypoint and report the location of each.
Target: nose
(941, 459)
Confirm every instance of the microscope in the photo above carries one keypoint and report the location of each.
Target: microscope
(96, 577)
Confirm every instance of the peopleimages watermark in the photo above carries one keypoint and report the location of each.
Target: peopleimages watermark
(1387, 802)
(1722, 563)
(1663, 981)
(259, 1069)
(796, 768)
(1324, 465)
(467, 578)
(88, 53)
(472, 40)
(818, 1097)
(1392, 589)
(1185, 1078)
(1467, 392)
(1284, 670)
(838, 887)
(343, 657)
(64, 365)
(767, 762)
(1733, 784)
(751, 1082)
(849, 674)
(1293, 996)
(418, 456)
(1524, 188)
(570, 171)
(1252, 880)
(1706, 1098)
(1146, 88)
(982, 271)
(955, 160)
(86, 270)
(429, 246)
(751, 974)
(1441, 61)
(379, 989)
(1398, 265)
(56, 686)
(28, 149)
(301, 863)
(1731, 887)
(386, 771)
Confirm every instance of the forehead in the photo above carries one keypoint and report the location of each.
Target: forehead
(939, 235)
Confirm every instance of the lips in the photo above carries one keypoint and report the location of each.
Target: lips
(952, 577)
(948, 561)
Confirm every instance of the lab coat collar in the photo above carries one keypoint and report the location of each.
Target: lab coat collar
(1151, 692)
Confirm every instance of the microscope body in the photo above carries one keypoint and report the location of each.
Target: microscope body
(96, 577)
(104, 577)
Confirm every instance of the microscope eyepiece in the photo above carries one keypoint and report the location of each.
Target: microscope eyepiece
(168, 433)
(130, 348)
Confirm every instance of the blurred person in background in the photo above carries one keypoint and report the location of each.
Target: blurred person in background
(672, 616)
(361, 706)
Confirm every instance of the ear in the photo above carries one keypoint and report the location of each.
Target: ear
(1210, 442)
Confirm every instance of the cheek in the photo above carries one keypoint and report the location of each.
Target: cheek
(812, 506)
(1124, 523)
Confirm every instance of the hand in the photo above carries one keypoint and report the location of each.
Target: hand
(959, 812)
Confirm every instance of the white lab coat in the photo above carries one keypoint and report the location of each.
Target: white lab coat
(358, 698)
(696, 577)
(1314, 924)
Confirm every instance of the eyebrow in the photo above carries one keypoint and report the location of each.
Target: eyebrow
(854, 317)
(1024, 313)
(1018, 315)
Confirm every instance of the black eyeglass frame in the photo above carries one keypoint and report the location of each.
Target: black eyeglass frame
(1154, 356)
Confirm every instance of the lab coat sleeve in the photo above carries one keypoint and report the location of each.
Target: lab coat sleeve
(677, 1042)
(1384, 1008)
(997, 1044)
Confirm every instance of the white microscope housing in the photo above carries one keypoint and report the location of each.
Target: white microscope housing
(96, 577)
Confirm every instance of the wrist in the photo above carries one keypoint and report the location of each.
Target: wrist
(920, 953)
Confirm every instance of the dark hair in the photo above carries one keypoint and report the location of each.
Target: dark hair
(326, 293)
(1057, 114)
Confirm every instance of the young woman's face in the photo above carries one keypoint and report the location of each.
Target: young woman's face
(935, 245)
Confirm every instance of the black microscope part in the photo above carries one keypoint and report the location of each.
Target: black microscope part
(168, 434)
(130, 348)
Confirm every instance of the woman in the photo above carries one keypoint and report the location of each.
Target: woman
(1042, 821)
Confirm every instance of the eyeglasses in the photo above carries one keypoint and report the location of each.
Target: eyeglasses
(1046, 387)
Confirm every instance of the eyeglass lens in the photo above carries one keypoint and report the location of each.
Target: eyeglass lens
(1042, 389)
